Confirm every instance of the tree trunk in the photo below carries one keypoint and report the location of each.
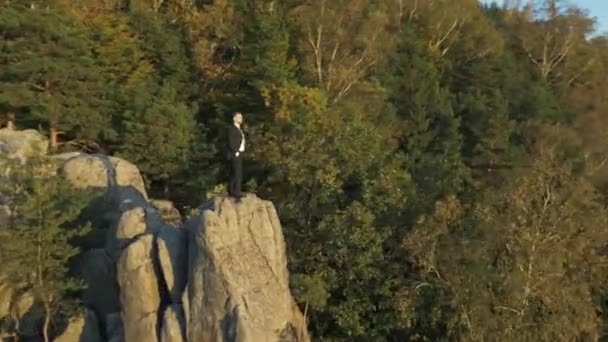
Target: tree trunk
(53, 137)
(54, 132)
(17, 327)
(166, 189)
(47, 321)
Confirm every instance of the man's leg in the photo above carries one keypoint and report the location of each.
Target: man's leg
(238, 176)
(230, 180)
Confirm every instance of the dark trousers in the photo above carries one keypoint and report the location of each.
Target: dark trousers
(236, 177)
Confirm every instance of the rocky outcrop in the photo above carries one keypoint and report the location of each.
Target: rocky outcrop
(221, 276)
(238, 282)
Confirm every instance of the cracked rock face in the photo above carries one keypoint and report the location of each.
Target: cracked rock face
(172, 255)
(221, 277)
(238, 282)
(139, 292)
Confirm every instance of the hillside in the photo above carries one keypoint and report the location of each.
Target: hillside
(439, 167)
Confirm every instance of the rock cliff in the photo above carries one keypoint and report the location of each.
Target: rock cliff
(238, 286)
(220, 276)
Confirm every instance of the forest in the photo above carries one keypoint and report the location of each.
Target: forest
(437, 165)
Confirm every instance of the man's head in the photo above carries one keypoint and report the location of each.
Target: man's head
(238, 118)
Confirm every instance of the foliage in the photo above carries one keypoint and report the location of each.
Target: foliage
(522, 254)
(39, 234)
(429, 129)
(326, 193)
(415, 150)
(48, 75)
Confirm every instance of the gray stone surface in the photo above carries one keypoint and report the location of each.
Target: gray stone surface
(238, 282)
(139, 291)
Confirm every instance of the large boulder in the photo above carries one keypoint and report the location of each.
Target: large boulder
(100, 171)
(238, 282)
(132, 223)
(222, 277)
(23, 144)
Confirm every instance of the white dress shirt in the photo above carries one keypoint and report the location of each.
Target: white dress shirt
(242, 147)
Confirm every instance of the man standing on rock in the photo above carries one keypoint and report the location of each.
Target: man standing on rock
(235, 149)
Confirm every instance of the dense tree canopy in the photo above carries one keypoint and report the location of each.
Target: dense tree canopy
(438, 165)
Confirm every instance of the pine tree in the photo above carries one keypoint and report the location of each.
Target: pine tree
(36, 244)
(488, 131)
(48, 76)
(266, 51)
(494, 99)
(430, 135)
(157, 139)
(263, 60)
(158, 120)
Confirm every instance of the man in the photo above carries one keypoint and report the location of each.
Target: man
(235, 149)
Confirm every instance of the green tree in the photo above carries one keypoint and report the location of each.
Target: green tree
(265, 49)
(48, 75)
(488, 133)
(332, 197)
(521, 262)
(157, 138)
(158, 122)
(429, 130)
(264, 57)
(36, 244)
(494, 97)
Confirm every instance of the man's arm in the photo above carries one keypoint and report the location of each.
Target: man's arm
(234, 140)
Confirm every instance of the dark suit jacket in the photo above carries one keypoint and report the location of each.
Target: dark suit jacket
(234, 141)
